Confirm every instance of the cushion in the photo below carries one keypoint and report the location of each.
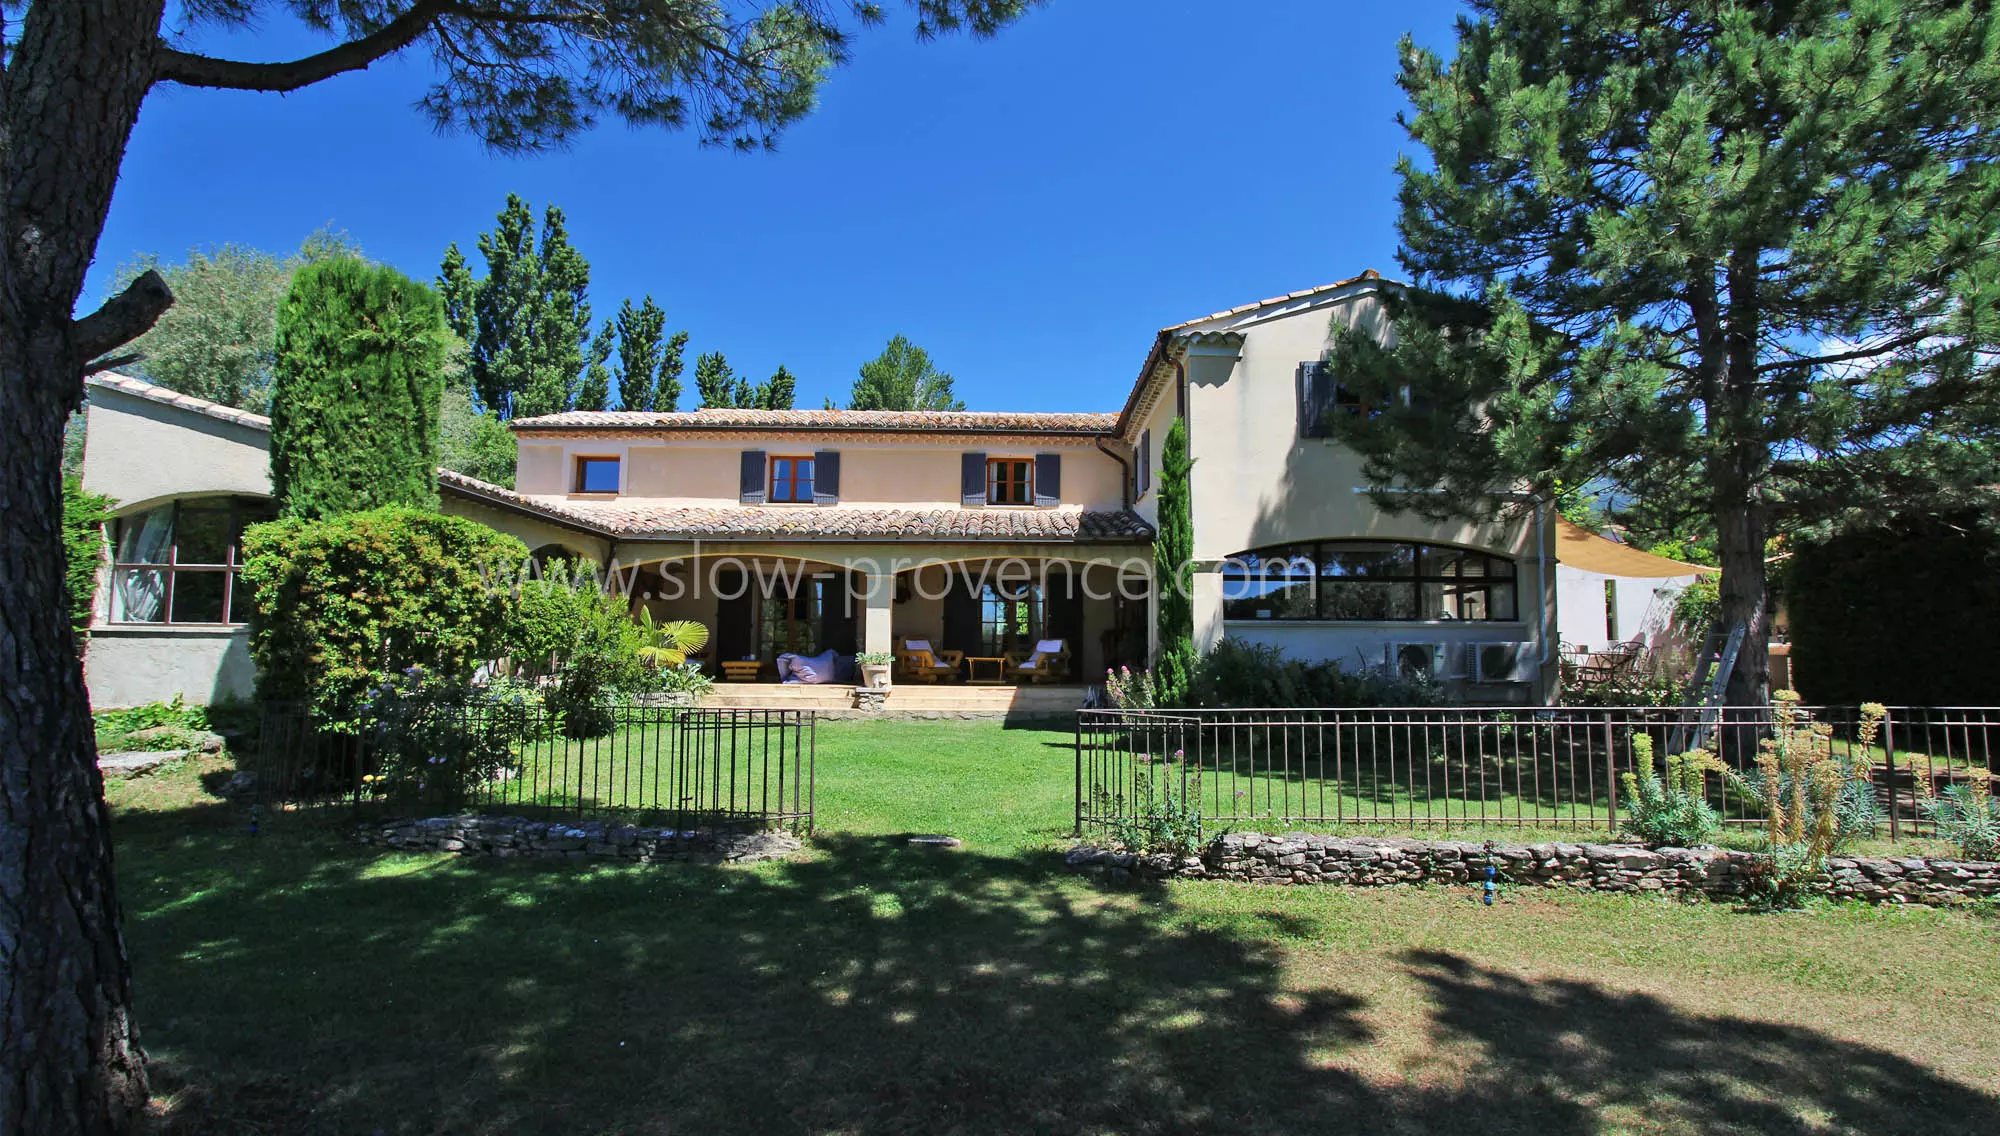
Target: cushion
(812, 668)
(923, 645)
(785, 666)
(1049, 647)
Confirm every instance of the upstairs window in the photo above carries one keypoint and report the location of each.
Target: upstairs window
(1325, 400)
(1010, 481)
(178, 563)
(596, 475)
(792, 480)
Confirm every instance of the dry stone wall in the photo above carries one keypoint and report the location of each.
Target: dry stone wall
(510, 836)
(1359, 861)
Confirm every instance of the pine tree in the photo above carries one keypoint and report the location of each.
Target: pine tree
(776, 392)
(1737, 257)
(903, 378)
(1173, 562)
(359, 375)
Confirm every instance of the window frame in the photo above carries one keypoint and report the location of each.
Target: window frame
(240, 510)
(1411, 577)
(1026, 482)
(772, 481)
(578, 476)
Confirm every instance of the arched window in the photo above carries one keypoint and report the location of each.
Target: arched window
(178, 562)
(1353, 581)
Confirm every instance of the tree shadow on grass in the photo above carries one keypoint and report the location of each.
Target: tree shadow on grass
(301, 985)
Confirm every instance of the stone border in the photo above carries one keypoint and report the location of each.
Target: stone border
(1362, 861)
(506, 836)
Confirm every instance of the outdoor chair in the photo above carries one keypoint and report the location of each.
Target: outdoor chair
(1046, 663)
(920, 662)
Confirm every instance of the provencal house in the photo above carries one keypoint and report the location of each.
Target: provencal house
(980, 534)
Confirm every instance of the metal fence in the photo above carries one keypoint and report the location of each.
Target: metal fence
(1504, 766)
(672, 766)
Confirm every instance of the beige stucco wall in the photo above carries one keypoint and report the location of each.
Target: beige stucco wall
(531, 531)
(1256, 483)
(705, 473)
(133, 665)
(140, 452)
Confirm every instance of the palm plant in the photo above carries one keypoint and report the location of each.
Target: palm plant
(669, 644)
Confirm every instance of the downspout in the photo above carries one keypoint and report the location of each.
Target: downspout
(1125, 481)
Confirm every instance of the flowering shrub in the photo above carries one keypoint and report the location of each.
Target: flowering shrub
(1967, 815)
(1674, 810)
(1812, 802)
(1166, 814)
(1126, 689)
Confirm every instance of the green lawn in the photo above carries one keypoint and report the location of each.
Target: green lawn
(295, 982)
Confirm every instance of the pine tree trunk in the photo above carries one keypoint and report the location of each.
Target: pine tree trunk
(69, 1062)
(1740, 540)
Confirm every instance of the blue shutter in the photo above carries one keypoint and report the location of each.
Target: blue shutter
(972, 479)
(826, 477)
(1316, 386)
(751, 490)
(1048, 479)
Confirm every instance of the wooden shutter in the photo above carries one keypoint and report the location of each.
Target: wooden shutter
(1316, 386)
(972, 479)
(751, 491)
(735, 616)
(826, 477)
(1143, 473)
(961, 612)
(1048, 479)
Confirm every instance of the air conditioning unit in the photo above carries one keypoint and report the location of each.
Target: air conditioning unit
(1494, 662)
(1408, 659)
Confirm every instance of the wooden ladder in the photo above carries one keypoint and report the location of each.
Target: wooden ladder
(1712, 669)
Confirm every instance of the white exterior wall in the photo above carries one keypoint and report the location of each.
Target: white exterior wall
(1257, 483)
(1645, 607)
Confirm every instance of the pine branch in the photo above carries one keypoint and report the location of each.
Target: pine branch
(191, 70)
(123, 318)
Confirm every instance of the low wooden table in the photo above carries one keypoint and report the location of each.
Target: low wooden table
(741, 670)
(972, 664)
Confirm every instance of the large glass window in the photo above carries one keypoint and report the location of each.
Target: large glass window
(179, 563)
(1010, 617)
(792, 480)
(1368, 581)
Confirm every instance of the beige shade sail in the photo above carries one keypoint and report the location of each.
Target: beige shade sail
(1580, 548)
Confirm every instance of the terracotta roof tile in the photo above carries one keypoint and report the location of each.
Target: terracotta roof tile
(139, 388)
(853, 421)
(632, 519)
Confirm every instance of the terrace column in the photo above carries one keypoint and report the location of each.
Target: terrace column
(877, 634)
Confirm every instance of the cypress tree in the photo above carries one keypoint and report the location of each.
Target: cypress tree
(1173, 561)
(358, 378)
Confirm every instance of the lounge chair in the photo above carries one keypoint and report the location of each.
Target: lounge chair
(1048, 662)
(920, 662)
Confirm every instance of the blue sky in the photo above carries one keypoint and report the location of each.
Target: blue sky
(1029, 208)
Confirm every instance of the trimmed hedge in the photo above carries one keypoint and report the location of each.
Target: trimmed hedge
(344, 603)
(1904, 613)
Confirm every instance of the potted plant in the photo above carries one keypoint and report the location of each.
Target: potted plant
(875, 669)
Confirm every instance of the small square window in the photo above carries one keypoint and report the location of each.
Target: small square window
(596, 475)
(1009, 481)
(792, 480)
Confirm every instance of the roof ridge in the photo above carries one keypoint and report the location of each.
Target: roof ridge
(167, 396)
